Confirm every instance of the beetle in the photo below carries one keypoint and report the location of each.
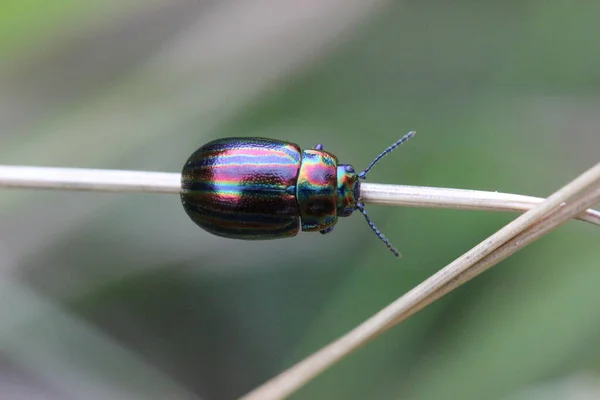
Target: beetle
(256, 188)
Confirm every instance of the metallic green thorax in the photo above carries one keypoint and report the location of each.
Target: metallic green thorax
(324, 191)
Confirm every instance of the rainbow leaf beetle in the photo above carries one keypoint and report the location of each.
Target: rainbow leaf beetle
(256, 188)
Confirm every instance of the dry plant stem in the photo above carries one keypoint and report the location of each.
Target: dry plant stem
(26, 177)
(520, 232)
(98, 180)
(431, 197)
(525, 238)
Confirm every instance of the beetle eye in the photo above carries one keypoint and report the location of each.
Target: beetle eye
(349, 168)
(356, 190)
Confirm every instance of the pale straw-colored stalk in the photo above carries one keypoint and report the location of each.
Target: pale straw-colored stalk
(26, 177)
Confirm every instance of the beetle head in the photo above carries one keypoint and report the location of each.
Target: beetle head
(348, 190)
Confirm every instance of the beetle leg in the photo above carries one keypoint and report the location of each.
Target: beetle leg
(319, 147)
(324, 231)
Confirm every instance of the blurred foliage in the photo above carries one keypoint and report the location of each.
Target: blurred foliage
(120, 296)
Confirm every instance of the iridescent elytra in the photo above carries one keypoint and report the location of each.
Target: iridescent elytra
(256, 188)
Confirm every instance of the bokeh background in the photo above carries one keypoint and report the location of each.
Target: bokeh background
(120, 296)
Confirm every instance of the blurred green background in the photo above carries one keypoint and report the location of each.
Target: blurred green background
(120, 296)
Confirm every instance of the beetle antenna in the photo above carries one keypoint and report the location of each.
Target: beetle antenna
(403, 139)
(361, 208)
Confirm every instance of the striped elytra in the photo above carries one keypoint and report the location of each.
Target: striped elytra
(243, 188)
(256, 188)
